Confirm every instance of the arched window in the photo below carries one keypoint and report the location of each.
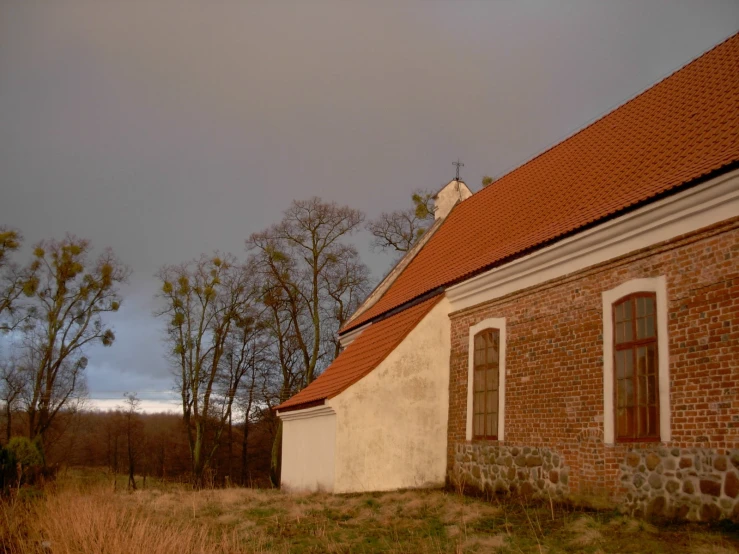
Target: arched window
(486, 382)
(636, 368)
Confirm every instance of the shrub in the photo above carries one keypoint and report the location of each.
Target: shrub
(25, 452)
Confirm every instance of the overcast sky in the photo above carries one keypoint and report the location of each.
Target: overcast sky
(167, 129)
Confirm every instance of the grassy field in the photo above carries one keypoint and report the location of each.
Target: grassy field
(82, 513)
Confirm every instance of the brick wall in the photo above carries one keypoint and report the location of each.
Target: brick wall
(554, 381)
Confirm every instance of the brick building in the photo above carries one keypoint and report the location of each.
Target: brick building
(572, 330)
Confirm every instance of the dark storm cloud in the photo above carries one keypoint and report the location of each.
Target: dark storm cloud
(169, 129)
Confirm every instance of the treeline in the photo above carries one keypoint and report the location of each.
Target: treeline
(242, 334)
(158, 445)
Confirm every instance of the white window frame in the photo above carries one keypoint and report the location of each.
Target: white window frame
(657, 285)
(498, 323)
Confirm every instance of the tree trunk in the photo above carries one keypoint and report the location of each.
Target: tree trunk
(198, 466)
(230, 446)
(115, 454)
(275, 471)
(8, 423)
(131, 460)
(131, 479)
(244, 448)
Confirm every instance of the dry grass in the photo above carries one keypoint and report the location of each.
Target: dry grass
(85, 515)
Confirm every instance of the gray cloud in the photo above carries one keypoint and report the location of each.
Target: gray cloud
(167, 129)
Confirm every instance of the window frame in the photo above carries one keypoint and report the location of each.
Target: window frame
(633, 344)
(499, 324)
(486, 390)
(658, 286)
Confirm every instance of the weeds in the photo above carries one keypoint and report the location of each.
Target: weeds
(82, 514)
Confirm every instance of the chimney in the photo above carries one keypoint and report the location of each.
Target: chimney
(449, 196)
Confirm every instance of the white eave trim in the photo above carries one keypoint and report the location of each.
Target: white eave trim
(315, 411)
(348, 338)
(698, 207)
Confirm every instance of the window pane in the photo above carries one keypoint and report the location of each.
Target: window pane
(641, 307)
(650, 326)
(625, 393)
(651, 359)
(652, 390)
(641, 328)
(650, 304)
(642, 390)
(479, 405)
(628, 363)
(479, 380)
(479, 342)
(478, 430)
(624, 363)
(492, 379)
(492, 355)
(492, 406)
(628, 331)
(624, 423)
(628, 392)
(619, 312)
(653, 421)
(492, 425)
(643, 421)
(619, 333)
(641, 360)
(627, 311)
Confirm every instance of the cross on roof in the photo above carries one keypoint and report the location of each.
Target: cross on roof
(458, 164)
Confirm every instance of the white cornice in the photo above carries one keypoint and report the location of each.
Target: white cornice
(316, 411)
(706, 204)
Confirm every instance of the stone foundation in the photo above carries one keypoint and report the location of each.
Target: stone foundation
(524, 470)
(684, 483)
(698, 484)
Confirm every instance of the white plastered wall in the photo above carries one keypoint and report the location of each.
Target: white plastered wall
(308, 449)
(392, 424)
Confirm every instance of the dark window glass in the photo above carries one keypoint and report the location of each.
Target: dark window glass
(635, 364)
(485, 391)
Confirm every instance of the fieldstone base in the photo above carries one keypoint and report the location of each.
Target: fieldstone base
(698, 484)
(537, 472)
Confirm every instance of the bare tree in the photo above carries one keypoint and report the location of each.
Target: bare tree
(14, 281)
(112, 431)
(400, 230)
(296, 256)
(254, 395)
(133, 434)
(207, 306)
(70, 295)
(12, 386)
(347, 283)
(302, 261)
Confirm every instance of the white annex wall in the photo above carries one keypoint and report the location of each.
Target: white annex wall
(392, 425)
(308, 450)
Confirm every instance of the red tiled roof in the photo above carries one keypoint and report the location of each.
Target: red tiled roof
(363, 355)
(681, 129)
